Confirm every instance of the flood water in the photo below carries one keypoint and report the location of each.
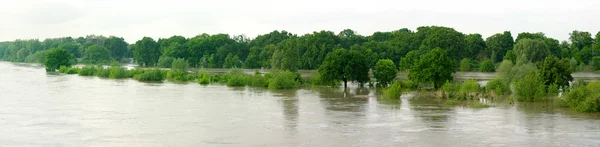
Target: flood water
(40, 109)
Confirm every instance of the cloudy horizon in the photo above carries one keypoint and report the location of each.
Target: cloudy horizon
(134, 19)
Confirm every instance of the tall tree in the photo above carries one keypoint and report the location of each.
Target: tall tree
(475, 45)
(385, 72)
(117, 47)
(580, 39)
(498, 43)
(434, 66)
(531, 50)
(146, 52)
(97, 54)
(56, 58)
(555, 71)
(344, 66)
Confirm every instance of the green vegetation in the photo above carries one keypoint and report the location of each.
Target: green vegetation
(236, 77)
(434, 66)
(150, 75)
(394, 91)
(385, 72)
(498, 86)
(96, 54)
(179, 71)
(88, 70)
(258, 80)
(57, 58)
(283, 80)
(531, 87)
(203, 78)
(595, 63)
(345, 66)
(465, 65)
(583, 98)
(487, 66)
(165, 62)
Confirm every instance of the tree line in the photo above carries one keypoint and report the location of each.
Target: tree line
(281, 49)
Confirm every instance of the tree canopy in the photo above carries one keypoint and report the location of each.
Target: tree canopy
(434, 66)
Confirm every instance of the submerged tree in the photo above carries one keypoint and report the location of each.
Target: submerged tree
(345, 66)
(385, 72)
(57, 58)
(555, 71)
(434, 66)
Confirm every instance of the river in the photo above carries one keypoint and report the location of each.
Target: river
(41, 109)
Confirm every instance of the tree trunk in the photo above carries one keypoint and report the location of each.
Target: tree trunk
(345, 83)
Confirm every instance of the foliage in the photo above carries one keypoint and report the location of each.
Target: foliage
(555, 71)
(150, 75)
(345, 66)
(595, 63)
(117, 47)
(465, 65)
(385, 71)
(56, 58)
(531, 87)
(165, 62)
(146, 52)
(102, 72)
(96, 54)
(236, 77)
(180, 65)
(433, 66)
(88, 70)
(38, 57)
(283, 80)
(498, 86)
(394, 91)
(470, 86)
(487, 66)
(203, 77)
(531, 50)
(118, 72)
(499, 43)
(583, 98)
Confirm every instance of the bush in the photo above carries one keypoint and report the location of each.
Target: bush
(102, 72)
(283, 80)
(180, 65)
(595, 63)
(87, 70)
(236, 77)
(385, 72)
(583, 98)
(317, 80)
(258, 81)
(469, 86)
(165, 62)
(487, 66)
(498, 86)
(118, 72)
(530, 88)
(155, 75)
(63, 69)
(72, 71)
(136, 71)
(56, 58)
(553, 89)
(203, 78)
(465, 65)
(394, 91)
(178, 76)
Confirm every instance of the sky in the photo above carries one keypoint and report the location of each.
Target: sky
(134, 19)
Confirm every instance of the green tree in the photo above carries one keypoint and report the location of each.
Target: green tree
(595, 63)
(117, 47)
(434, 66)
(97, 54)
(531, 87)
(71, 48)
(146, 52)
(165, 62)
(487, 66)
(533, 50)
(555, 71)
(180, 65)
(510, 55)
(580, 39)
(231, 61)
(475, 45)
(465, 65)
(499, 43)
(385, 71)
(57, 58)
(345, 66)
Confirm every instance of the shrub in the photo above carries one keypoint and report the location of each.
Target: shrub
(258, 81)
(465, 65)
(385, 72)
(530, 88)
(203, 78)
(102, 72)
(150, 75)
(583, 98)
(87, 70)
(487, 66)
(498, 86)
(236, 77)
(178, 76)
(180, 65)
(283, 80)
(394, 91)
(118, 72)
(469, 86)
(72, 71)
(595, 63)
(63, 69)
(553, 89)
(136, 71)
(56, 58)
(317, 80)
(165, 62)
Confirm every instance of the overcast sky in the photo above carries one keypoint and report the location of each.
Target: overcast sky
(134, 19)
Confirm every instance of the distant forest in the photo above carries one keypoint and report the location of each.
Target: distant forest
(282, 49)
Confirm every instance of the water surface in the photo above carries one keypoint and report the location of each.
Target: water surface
(40, 109)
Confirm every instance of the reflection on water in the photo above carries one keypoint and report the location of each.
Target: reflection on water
(40, 109)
